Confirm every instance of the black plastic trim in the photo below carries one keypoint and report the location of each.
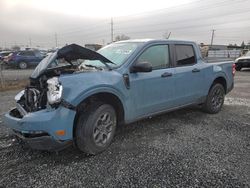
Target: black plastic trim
(68, 105)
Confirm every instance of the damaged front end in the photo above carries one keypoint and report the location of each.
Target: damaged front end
(45, 88)
(36, 97)
(42, 117)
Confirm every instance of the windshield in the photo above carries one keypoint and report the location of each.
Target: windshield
(117, 53)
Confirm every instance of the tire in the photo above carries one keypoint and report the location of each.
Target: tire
(95, 128)
(23, 65)
(215, 99)
(238, 68)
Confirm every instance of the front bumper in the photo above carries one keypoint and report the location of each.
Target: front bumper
(42, 142)
(39, 128)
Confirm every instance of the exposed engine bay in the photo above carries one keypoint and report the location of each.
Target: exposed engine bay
(43, 91)
(45, 88)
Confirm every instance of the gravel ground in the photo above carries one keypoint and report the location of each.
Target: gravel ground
(185, 148)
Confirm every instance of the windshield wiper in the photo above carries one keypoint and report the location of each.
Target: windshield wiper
(106, 64)
(93, 66)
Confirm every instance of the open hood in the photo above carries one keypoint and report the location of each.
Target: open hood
(69, 53)
(74, 52)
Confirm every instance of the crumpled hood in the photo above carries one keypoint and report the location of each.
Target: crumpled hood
(69, 53)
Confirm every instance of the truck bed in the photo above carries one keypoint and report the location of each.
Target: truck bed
(216, 60)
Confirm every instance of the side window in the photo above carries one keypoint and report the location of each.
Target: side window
(37, 54)
(21, 53)
(184, 55)
(157, 55)
(26, 53)
(30, 53)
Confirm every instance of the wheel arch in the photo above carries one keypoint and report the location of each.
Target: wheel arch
(221, 80)
(106, 97)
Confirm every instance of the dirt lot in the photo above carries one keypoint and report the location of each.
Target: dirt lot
(185, 148)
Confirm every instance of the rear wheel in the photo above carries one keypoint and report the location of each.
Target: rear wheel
(23, 65)
(238, 68)
(215, 99)
(96, 128)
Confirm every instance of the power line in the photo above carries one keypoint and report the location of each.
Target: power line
(179, 28)
(188, 20)
(172, 28)
(160, 24)
(198, 8)
(214, 5)
(91, 33)
(87, 32)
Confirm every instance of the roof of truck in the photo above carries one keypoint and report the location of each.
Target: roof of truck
(155, 40)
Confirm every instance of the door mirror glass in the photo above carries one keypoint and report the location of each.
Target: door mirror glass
(141, 66)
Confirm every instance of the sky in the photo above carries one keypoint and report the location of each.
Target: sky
(50, 23)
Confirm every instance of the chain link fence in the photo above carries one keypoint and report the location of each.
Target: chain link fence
(13, 78)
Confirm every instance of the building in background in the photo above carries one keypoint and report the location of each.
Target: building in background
(93, 47)
(221, 51)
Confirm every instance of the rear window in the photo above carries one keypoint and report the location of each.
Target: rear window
(184, 55)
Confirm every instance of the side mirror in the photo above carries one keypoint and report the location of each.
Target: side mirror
(142, 66)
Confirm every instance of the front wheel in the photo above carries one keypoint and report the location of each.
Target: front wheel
(215, 99)
(96, 128)
(23, 65)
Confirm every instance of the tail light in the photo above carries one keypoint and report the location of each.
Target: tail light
(233, 69)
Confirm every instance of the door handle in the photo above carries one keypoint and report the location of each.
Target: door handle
(166, 74)
(196, 70)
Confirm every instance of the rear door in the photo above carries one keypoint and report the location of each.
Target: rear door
(27, 56)
(189, 77)
(38, 57)
(153, 91)
(33, 59)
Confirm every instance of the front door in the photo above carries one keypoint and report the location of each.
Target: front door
(152, 91)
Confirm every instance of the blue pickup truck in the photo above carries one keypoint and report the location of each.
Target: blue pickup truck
(80, 96)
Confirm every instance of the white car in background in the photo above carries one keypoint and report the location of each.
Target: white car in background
(243, 61)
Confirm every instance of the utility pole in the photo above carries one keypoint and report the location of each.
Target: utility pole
(56, 39)
(212, 39)
(169, 35)
(166, 35)
(112, 30)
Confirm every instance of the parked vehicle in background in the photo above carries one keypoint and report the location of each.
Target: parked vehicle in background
(43, 52)
(4, 54)
(123, 82)
(243, 61)
(24, 59)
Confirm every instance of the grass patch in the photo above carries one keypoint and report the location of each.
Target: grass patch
(14, 85)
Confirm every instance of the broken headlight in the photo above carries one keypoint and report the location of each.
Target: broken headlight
(54, 93)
